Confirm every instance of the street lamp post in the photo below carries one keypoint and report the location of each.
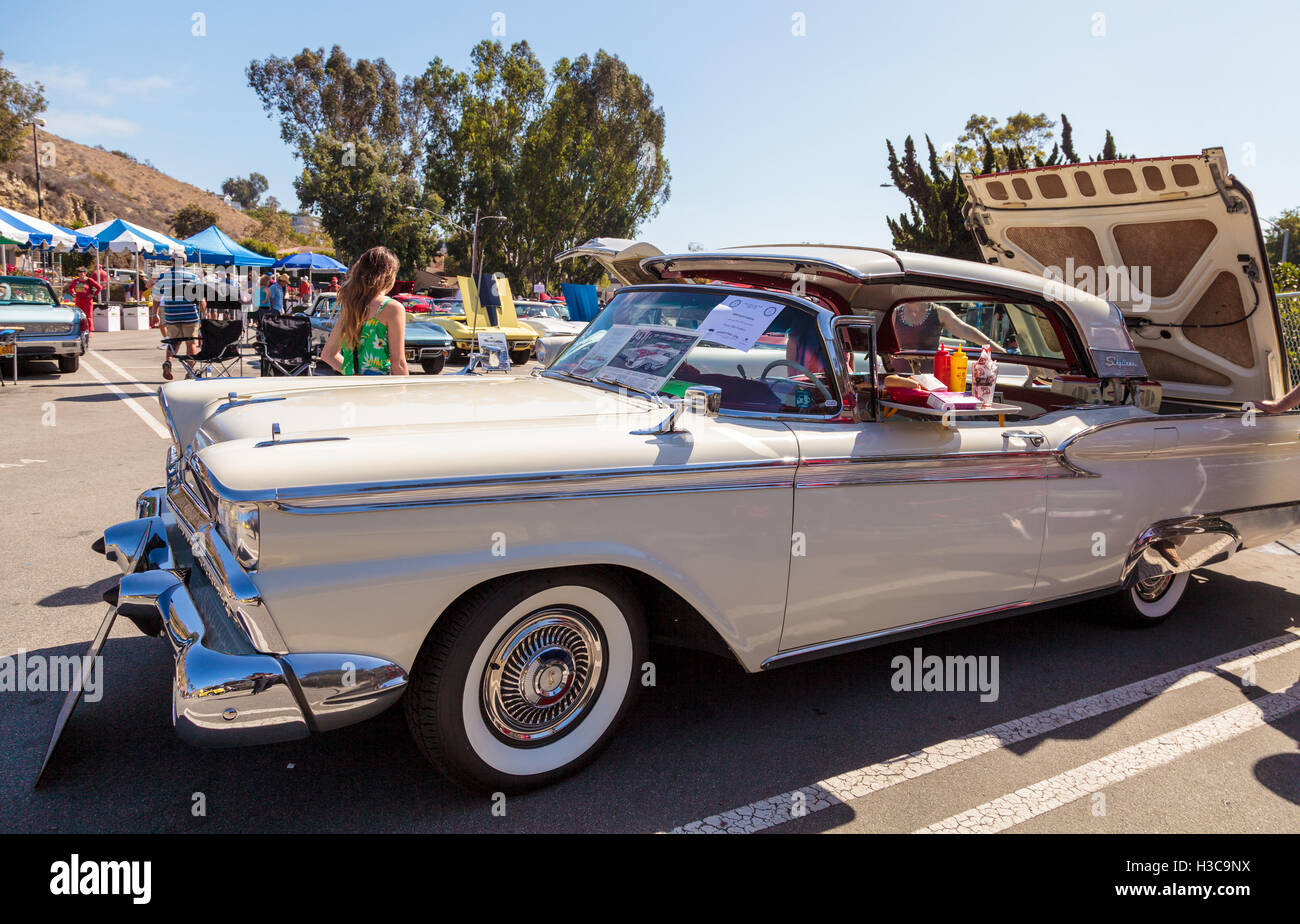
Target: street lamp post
(36, 157)
(471, 231)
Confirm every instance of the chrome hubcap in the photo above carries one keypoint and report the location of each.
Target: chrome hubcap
(543, 674)
(1150, 589)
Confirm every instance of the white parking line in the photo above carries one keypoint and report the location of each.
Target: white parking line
(1023, 804)
(855, 784)
(130, 402)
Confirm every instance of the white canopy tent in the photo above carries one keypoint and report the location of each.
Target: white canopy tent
(121, 236)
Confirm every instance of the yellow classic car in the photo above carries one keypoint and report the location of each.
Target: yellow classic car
(464, 326)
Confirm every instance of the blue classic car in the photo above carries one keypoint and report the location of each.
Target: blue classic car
(46, 329)
(426, 344)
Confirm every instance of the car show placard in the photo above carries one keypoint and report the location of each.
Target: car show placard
(738, 321)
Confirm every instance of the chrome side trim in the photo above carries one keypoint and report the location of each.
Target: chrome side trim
(958, 466)
(525, 485)
(1149, 418)
(609, 486)
(820, 649)
(301, 439)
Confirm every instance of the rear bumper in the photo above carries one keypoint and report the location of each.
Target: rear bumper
(233, 684)
(422, 353)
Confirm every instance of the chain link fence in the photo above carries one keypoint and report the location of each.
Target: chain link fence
(1288, 304)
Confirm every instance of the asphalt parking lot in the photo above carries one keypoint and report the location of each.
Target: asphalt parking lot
(1193, 726)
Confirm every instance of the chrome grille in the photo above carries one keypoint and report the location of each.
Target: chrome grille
(42, 329)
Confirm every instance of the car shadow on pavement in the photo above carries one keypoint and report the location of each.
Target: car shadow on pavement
(80, 596)
(705, 738)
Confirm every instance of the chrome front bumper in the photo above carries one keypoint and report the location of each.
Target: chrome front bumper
(234, 684)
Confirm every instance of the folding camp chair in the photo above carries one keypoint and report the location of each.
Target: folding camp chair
(284, 345)
(218, 349)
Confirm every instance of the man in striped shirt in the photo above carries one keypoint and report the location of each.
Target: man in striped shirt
(179, 296)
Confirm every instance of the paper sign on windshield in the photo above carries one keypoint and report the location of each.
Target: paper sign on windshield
(738, 322)
(603, 350)
(649, 357)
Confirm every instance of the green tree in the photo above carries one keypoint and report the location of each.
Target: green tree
(933, 222)
(564, 155)
(192, 219)
(265, 248)
(564, 158)
(364, 200)
(19, 104)
(360, 133)
(1276, 233)
(246, 190)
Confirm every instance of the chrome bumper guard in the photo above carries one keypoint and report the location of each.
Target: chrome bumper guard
(1187, 543)
(235, 684)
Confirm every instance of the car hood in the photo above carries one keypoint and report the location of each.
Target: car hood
(21, 315)
(458, 328)
(337, 433)
(1173, 241)
(552, 326)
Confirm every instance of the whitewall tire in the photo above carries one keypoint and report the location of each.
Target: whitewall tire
(523, 682)
(1148, 601)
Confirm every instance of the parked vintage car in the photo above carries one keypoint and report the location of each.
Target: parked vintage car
(449, 314)
(495, 552)
(426, 344)
(46, 328)
(554, 329)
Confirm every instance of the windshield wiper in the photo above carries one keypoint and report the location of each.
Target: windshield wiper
(652, 397)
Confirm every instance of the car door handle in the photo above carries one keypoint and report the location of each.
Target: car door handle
(1029, 436)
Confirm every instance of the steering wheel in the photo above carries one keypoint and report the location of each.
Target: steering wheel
(798, 367)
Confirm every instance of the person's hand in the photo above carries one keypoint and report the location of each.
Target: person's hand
(1270, 407)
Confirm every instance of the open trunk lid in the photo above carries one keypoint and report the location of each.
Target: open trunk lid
(1173, 241)
(621, 258)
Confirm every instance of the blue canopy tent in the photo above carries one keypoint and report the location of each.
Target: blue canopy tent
(216, 247)
(310, 261)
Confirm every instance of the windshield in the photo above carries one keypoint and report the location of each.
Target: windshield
(26, 293)
(765, 355)
(541, 310)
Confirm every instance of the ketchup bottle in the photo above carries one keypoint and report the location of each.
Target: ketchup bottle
(942, 363)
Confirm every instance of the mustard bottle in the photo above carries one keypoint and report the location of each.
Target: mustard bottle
(957, 375)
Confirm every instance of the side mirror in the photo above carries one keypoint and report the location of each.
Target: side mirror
(703, 399)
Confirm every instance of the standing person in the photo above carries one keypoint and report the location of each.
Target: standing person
(101, 276)
(178, 295)
(304, 291)
(275, 295)
(264, 291)
(370, 336)
(83, 290)
(918, 326)
(333, 287)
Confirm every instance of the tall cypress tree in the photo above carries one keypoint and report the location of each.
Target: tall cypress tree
(933, 222)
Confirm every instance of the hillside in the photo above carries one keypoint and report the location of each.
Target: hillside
(83, 178)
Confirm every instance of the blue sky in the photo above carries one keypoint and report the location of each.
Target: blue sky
(772, 136)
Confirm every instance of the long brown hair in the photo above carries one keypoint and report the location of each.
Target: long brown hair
(372, 275)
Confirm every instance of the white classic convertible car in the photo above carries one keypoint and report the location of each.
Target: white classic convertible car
(496, 552)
